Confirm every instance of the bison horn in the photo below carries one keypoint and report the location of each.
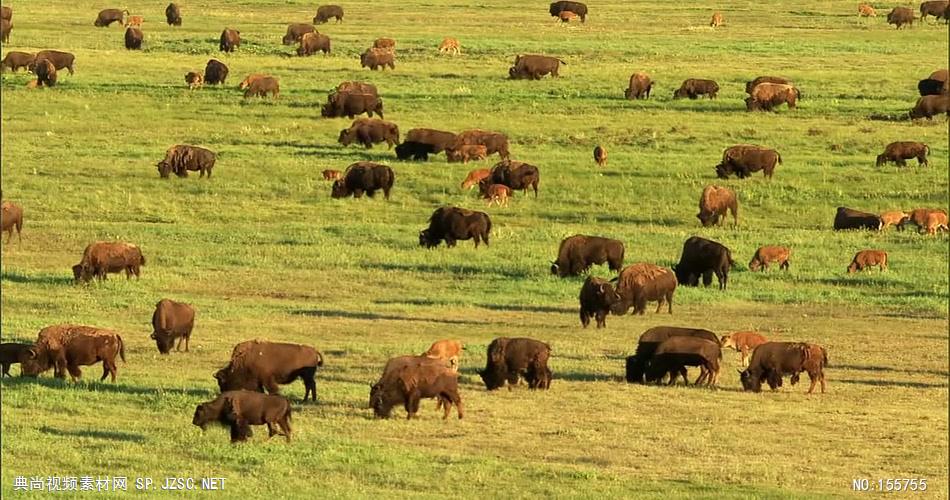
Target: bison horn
(739, 371)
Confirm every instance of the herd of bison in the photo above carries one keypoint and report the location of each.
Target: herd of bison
(250, 381)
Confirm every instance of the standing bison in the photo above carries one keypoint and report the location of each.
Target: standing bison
(702, 257)
(182, 157)
(567, 6)
(770, 254)
(325, 12)
(241, 409)
(749, 86)
(516, 175)
(11, 217)
(899, 151)
(773, 360)
(674, 354)
(230, 40)
(766, 96)
(364, 176)
(133, 38)
(438, 139)
(311, 43)
(936, 8)
(511, 358)
(639, 87)
(259, 364)
(296, 31)
(577, 253)
(453, 224)
(642, 283)
(378, 58)
(369, 131)
(16, 60)
(639, 363)
(695, 87)
(67, 347)
(899, 16)
(597, 299)
(533, 67)
(494, 142)
(407, 380)
(173, 15)
(353, 98)
(172, 320)
(216, 72)
(103, 257)
(714, 203)
(109, 16)
(744, 159)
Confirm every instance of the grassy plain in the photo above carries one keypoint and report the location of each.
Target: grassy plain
(262, 250)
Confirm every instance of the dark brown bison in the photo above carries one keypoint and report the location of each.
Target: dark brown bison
(533, 67)
(577, 253)
(931, 105)
(172, 320)
(702, 257)
(241, 409)
(45, 72)
(899, 151)
(415, 150)
(936, 8)
(16, 60)
(638, 364)
(773, 360)
(311, 43)
(770, 254)
(109, 16)
(765, 79)
(453, 224)
(263, 86)
(59, 59)
(11, 217)
(929, 86)
(215, 72)
(438, 139)
(640, 283)
(695, 87)
(369, 131)
(846, 218)
(744, 159)
(67, 347)
(576, 7)
(181, 158)
(133, 38)
(378, 58)
(868, 258)
(714, 203)
(296, 31)
(325, 12)
(674, 354)
(767, 96)
(351, 99)
(900, 16)
(516, 175)
(639, 87)
(173, 15)
(511, 358)
(494, 142)
(407, 380)
(103, 257)
(230, 40)
(364, 176)
(12, 353)
(597, 299)
(600, 156)
(257, 365)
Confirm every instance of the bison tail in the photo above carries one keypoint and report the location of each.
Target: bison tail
(319, 358)
(779, 157)
(121, 348)
(562, 62)
(824, 357)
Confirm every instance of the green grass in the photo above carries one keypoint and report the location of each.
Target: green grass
(262, 250)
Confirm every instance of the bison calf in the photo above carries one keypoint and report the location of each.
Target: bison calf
(743, 342)
(11, 217)
(770, 254)
(12, 353)
(868, 258)
(241, 409)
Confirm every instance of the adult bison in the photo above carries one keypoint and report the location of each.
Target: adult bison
(576, 7)
(173, 15)
(181, 158)
(325, 12)
(16, 60)
(766, 96)
(311, 43)
(745, 159)
(364, 176)
(378, 58)
(103, 257)
(674, 354)
(109, 16)
(640, 283)
(695, 87)
(11, 218)
(773, 360)
(216, 72)
(438, 139)
(172, 320)
(577, 253)
(296, 31)
(369, 131)
(639, 87)
(929, 106)
(494, 142)
(259, 364)
(261, 86)
(702, 257)
(230, 40)
(533, 67)
(638, 364)
(511, 358)
(408, 379)
(453, 224)
(60, 60)
(516, 175)
(414, 150)
(133, 38)
(597, 299)
(899, 151)
(241, 409)
(936, 8)
(847, 218)
(45, 73)
(899, 16)
(714, 203)
(353, 98)
(749, 86)
(67, 347)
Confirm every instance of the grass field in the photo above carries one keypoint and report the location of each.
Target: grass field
(262, 250)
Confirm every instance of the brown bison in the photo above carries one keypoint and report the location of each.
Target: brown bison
(378, 58)
(935, 8)
(446, 350)
(716, 20)
(600, 156)
(263, 86)
(332, 175)
(408, 379)
(639, 87)
(194, 80)
(369, 131)
(638, 364)
(564, 5)
(516, 175)
(749, 86)
(847, 218)
(497, 194)
(865, 10)
(766, 96)
(577, 253)
(325, 12)
(351, 99)
(868, 258)
(134, 21)
(173, 15)
(695, 87)
(172, 320)
(133, 38)
(900, 16)
(770, 254)
(241, 409)
(216, 72)
(597, 298)
(45, 72)
(935, 222)
(773, 360)
(296, 31)
(257, 365)
(674, 354)
(5, 28)
(12, 353)
(511, 358)
(311, 43)
(230, 40)
(533, 67)
(929, 106)
(16, 60)
(438, 139)
(453, 224)
(474, 178)
(743, 343)
(714, 203)
(743, 160)
(11, 217)
(364, 176)
(918, 217)
(640, 283)
(893, 218)
(385, 44)
(702, 257)
(60, 60)
(181, 158)
(103, 257)
(67, 347)
(899, 151)
(495, 142)
(466, 153)
(109, 16)
(450, 46)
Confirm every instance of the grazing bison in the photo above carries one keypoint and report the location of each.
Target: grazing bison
(364, 176)
(868, 258)
(749, 86)
(702, 257)
(600, 156)
(415, 150)
(935, 222)
(639, 87)
(900, 16)
(516, 175)
(59, 59)
(109, 16)
(263, 86)
(847, 218)
(576, 7)
(466, 153)
(103, 257)
(133, 38)
(311, 43)
(450, 46)
(770, 254)
(181, 158)
(173, 15)
(893, 218)
(674, 354)
(241, 409)
(230, 40)
(351, 99)
(325, 12)
(743, 343)
(533, 67)
(215, 72)
(45, 72)
(766, 96)
(509, 358)
(865, 10)
(369, 131)
(929, 86)
(773, 360)
(577, 253)
(497, 194)
(259, 364)
(597, 299)
(11, 217)
(438, 139)
(936, 8)
(16, 60)
(378, 58)
(744, 159)
(172, 320)
(194, 80)
(918, 217)
(446, 350)
(296, 31)
(453, 224)
(249, 79)
(714, 203)
(640, 283)
(695, 87)
(899, 151)
(475, 177)
(716, 20)
(495, 142)
(638, 364)
(67, 347)
(931, 105)
(12, 353)
(408, 379)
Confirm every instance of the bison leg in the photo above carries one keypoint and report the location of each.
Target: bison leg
(659, 305)
(75, 373)
(271, 386)
(585, 318)
(270, 430)
(601, 319)
(310, 383)
(284, 424)
(722, 277)
(707, 278)
(784, 265)
(814, 380)
(922, 160)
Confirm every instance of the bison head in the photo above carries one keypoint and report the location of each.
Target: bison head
(492, 377)
(164, 168)
(555, 268)
(32, 363)
(634, 370)
(383, 397)
(881, 160)
(378, 109)
(163, 341)
(707, 218)
(339, 189)
(346, 137)
(207, 413)
(751, 381)
(723, 170)
(327, 111)
(222, 376)
(82, 273)
(680, 93)
(427, 239)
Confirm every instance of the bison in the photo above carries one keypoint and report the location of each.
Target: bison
(577, 253)
(714, 203)
(511, 358)
(173, 15)
(640, 283)
(495, 142)
(310, 43)
(899, 16)
(364, 176)
(6, 13)
(868, 258)
(600, 156)
(865, 10)
(216, 72)
(743, 342)
(11, 217)
(576, 7)
(695, 87)
(516, 175)
(263, 86)
(369, 131)
(702, 257)
(674, 354)
(475, 177)
(134, 21)
(446, 350)
(749, 86)
(408, 379)
(936, 8)
(378, 58)
(450, 46)
(194, 80)
(766, 96)
(773, 360)
(45, 73)
(597, 299)
(172, 320)
(453, 224)
(438, 139)
(353, 100)
(181, 158)
(415, 150)
(935, 222)
(67, 347)
(16, 60)
(745, 159)
(639, 87)
(332, 175)
(60, 60)
(230, 40)
(496, 194)
(533, 67)
(847, 218)
(109, 16)
(103, 257)
(893, 218)
(770, 254)
(638, 364)
(899, 151)
(296, 31)
(12, 353)
(385, 44)
(260, 364)
(929, 106)
(918, 217)
(466, 153)
(241, 409)
(325, 12)
(133, 38)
